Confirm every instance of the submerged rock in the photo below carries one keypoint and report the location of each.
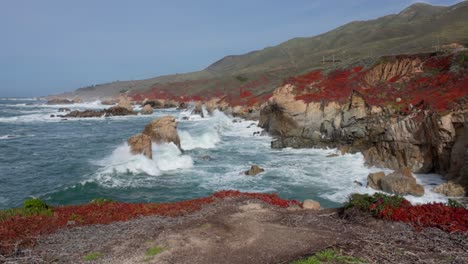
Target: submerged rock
(332, 155)
(163, 130)
(450, 189)
(64, 109)
(254, 170)
(147, 110)
(141, 144)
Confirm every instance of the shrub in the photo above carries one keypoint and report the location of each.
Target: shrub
(35, 203)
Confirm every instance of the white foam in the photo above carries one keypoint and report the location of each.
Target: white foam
(206, 140)
(122, 168)
(6, 137)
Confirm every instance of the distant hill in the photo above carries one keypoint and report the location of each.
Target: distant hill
(418, 28)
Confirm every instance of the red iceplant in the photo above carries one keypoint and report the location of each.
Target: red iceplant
(24, 230)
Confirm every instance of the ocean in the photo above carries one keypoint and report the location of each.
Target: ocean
(74, 161)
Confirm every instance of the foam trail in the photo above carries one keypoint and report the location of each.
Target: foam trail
(123, 169)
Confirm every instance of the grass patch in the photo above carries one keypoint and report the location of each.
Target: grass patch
(93, 256)
(205, 225)
(328, 256)
(31, 207)
(153, 251)
(101, 201)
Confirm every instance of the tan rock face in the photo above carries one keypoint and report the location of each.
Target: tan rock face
(147, 110)
(141, 144)
(311, 204)
(450, 189)
(163, 130)
(374, 180)
(254, 170)
(399, 69)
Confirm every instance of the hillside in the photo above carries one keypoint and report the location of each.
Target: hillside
(418, 28)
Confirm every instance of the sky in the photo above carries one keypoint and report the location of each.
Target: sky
(53, 46)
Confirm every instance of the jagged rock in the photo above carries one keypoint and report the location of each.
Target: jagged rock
(311, 204)
(254, 170)
(163, 130)
(450, 189)
(56, 101)
(198, 110)
(374, 180)
(64, 109)
(147, 110)
(141, 144)
(182, 106)
(119, 111)
(400, 184)
(358, 183)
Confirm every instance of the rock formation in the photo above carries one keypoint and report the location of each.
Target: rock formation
(163, 130)
(400, 182)
(141, 144)
(450, 189)
(147, 110)
(124, 102)
(428, 136)
(254, 170)
(311, 204)
(113, 111)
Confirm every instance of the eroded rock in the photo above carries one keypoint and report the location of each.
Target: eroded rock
(147, 110)
(141, 144)
(254, 170)
(163, 130)
(450, 189)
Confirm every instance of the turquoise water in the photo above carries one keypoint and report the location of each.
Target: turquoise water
(76, 160)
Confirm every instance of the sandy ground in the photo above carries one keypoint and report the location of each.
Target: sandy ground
(239, 230)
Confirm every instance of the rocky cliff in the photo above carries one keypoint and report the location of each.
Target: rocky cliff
(404, 111)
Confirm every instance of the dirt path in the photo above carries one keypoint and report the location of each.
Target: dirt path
(249, 231)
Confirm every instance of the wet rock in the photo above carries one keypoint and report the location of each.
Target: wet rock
(400, 184)
(64, 109)
(52, 115)
(141, 144)
(450, 189)
(332, 155)
(113, 111)
(374, 180)
(358, 183)
(182, 106)
(254, 170)
(147, 110)
(206, 158)
(163, 130)
(311, 204)
(56, 101)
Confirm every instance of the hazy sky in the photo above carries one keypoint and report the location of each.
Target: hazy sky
(51, 46)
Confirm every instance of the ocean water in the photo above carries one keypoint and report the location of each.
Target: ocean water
(76, 160)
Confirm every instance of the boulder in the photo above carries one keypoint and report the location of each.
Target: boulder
(147, 110)
(163, 130)
(124, 102)
(254, 170)
(374, 180)
(141, 144)
(119, 111)
(450, 189)
(311, 204)
(400, 184)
